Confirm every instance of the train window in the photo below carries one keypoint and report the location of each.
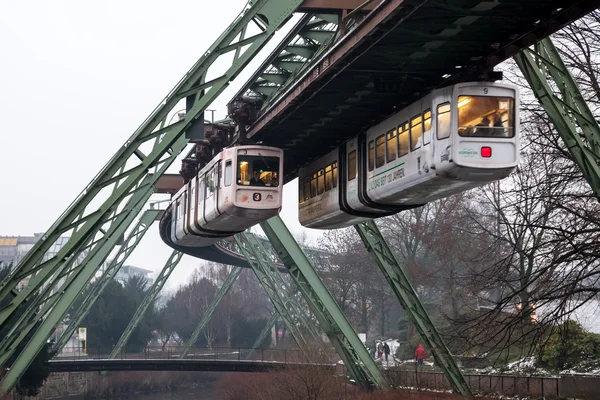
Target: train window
(443, 121)
(371, 155)
(488, 116)
(380, 151)
(335, 173)
(321, 182)
(300, 190)
(391, 145)
(306, 188)
(403, 140)
(228, 172)
(416, 132)
(258, 171)
(427, 120)
(328, 177)
(313, 186)
(351, 165)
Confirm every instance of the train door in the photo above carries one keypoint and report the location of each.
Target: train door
(351, 174)
(441, 129)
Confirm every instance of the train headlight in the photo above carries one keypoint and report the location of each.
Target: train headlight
(486, 152)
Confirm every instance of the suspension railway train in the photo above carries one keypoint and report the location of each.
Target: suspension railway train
(453, 139)
(237, 189)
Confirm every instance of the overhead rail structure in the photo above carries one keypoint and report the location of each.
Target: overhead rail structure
(346, 65)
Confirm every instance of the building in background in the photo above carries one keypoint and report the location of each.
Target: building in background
(128, 271)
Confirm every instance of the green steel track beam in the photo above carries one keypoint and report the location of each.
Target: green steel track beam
(310, 36)
(115, 265)
(261, 265)
(53, 312)
(117, 181)
(154, 290)
(389, 265)
(268, 268)
(559, 95)
(263, 334)
(71, 283)
(360, 365)
(223, 290)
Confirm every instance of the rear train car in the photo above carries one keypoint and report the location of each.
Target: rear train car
(456, 138)
(237, 189)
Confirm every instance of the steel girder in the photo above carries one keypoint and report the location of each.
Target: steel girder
(309, 37)
(119, 178)
(559, 95)
(261, 265)
(361, 366)
(109, 273)
(392, 270)
(154, 290)
(263, 334)
(298, 313)
(44, 302)
(223, 290)
(55, 307)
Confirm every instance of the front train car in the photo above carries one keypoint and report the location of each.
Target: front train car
(238, 188)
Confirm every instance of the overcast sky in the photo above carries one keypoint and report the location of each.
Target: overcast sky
(76, 79)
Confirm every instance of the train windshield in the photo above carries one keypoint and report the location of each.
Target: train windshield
(480, 116)
(258, 171)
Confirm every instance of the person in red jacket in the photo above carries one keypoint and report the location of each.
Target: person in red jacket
(420, 355)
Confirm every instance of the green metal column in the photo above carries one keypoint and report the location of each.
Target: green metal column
(115, 265)
(263, 334)
(260, 263)
(559, 95)
(228, 284)
(148, 300)
(54, 311)
(93, 209)
(75, 277)
(361, 366)
(389, 265)
(268, 269)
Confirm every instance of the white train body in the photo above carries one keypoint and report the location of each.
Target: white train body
(239, 188)
(453, 139)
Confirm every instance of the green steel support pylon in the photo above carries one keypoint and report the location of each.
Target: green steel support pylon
(93, 211)
(263, 334)
(67, 289)
(154, 290)
(559, 95)
(228, 284)
(269, 269)
(54, 310)
(389, 265)
(260, 263)
(115, 265)
(361, 366)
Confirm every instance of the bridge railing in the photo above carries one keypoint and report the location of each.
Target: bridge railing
(292, 355)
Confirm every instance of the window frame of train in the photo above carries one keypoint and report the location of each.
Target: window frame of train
(444, 114)
(352, 167)
(320, 181)
(391, 142)
(380, 143)
(405, 132)
(510, 112)
(426, 119)
(228, 172)
(329, 173)
(414, 144)
(307, 188)
(334, 167)
(371, 155)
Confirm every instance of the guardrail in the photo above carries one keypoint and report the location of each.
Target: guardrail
(294, 355)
